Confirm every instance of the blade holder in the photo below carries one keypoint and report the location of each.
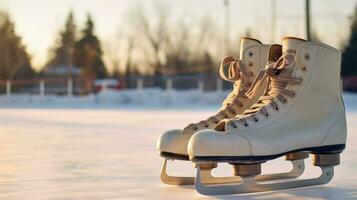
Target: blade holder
(245, 170)
(326, 159)
(296, 156)
(206, 166)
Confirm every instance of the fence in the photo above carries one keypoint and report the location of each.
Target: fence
(206, 82)
(350, 83)
(39, 87)
(71, 87)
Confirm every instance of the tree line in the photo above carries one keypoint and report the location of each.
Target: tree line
(153, 44)
(15, 62)
(143, 47)
(83, 52)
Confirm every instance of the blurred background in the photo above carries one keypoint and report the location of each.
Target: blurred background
(81, 47)
(87, 87)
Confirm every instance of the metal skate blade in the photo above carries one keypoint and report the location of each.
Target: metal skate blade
(208, 178)
(249, 184)
(206, 175)
(175, 180)
(297, 170)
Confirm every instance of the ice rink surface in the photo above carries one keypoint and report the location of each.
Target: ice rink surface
(111, 154)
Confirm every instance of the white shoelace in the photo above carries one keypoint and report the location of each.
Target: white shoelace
(275, 89)
(233, 70)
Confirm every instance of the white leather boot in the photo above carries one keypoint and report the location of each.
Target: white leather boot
(301, 111)
(253, 58)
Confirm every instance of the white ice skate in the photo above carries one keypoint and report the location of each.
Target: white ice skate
(173, 144)
(301, 112)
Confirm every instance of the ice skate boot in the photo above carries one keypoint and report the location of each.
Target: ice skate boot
(301, 111)
(253, 57)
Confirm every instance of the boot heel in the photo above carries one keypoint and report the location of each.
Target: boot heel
(326, 159)
(296, 156)
(245, 170)
(206, 166)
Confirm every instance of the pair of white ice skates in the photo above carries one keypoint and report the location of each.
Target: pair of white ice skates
(286, 101)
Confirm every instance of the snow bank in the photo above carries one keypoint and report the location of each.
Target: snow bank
(127, 98)
(350, 100)
(146, 98)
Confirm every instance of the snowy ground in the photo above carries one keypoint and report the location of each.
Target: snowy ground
(61, 153)
(145, 98)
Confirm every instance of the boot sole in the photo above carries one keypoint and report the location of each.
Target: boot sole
(329, 149)
(174, 156)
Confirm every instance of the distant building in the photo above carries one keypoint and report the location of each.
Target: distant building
(104, 84)
(61, 72)
(56, 79)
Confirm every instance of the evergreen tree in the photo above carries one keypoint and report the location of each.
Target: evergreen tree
(14, 60)
(88, 56)
(349, 56)
(62, 55)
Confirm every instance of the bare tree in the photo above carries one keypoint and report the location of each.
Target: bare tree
(153, 32)
(119, 55)
(170, 44)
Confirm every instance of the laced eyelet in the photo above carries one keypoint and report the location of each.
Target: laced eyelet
(300, 79)
(233, 125)
(194, 128)
(293, 94)
(250, 64)
(206, 126)
(251, 73)
(274, 106)
(266, 114)
(303, 68)
(216, 122)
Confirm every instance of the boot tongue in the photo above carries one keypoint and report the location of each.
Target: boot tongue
(246, 41)
(274, 53)
(290, 44)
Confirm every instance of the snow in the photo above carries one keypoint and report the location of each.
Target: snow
(70, 148)
(145, 98)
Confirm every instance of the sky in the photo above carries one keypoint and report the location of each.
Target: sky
(39, 21)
